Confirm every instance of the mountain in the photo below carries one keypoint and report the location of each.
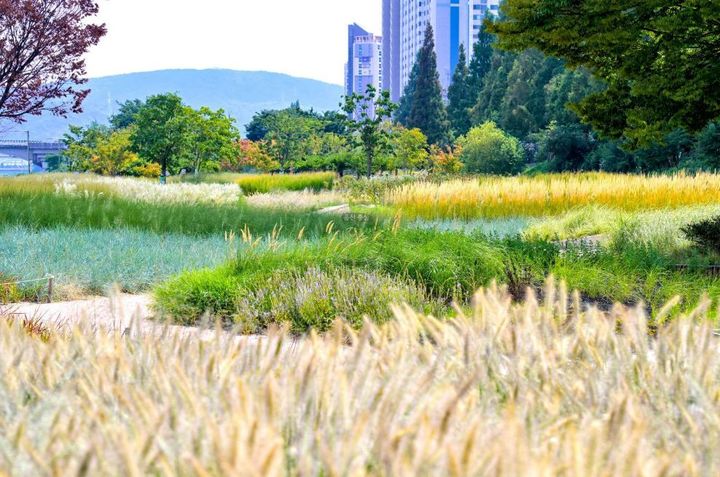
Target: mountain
(240, 93)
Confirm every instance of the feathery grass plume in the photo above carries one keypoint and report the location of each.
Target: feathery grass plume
(531, 388)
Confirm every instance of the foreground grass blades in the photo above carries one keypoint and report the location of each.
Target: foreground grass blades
(528, 389)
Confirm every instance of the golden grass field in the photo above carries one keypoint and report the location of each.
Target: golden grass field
(512, 389)
(551, 194)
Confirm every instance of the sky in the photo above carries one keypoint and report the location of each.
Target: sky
(305, 38)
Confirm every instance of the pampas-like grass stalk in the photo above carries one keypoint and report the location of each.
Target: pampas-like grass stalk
(507, 389)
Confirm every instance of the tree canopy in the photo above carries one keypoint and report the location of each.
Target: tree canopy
(373, 109)
(427, 109)
(461, 97)
(658, 58)
(42, 44)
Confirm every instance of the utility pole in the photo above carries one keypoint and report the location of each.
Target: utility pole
(28, 153)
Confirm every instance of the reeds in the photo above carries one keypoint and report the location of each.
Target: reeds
(539, 388)
(551, 194)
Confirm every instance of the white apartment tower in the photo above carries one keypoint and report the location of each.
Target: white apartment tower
(365, 61)
(455, 23)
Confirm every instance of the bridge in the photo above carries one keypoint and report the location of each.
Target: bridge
(37, 150)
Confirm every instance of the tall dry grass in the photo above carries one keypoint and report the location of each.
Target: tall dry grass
(128, 188)
(551, 194)
(530, 389)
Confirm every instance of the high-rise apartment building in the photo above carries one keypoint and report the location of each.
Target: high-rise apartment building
(365, 61)
(454, 22)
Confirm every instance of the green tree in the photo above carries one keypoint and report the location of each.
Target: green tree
(658, 59)
(410, 149)
(261, 124)
(565, 147)
(494, 88)
(568, 87)
(667, 153)
(481, 60)
(287, 137)
(461, 97)
(125, 117)
(427, 110)
(373, 109)
(81, 144)
(707, 148)
(487, 149)
(611, 157)
(402, 115)
(515, 115)
(159, 135)
(209, 139)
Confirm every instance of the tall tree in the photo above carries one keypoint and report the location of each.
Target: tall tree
(522, 110)
(159, 135)
(210, 138)
(125, 117)
(494, 87)
(373, 109)
(658, 58)
(42, 44)
(427, 110)
(288, 134)
(402, 115)
(480, 62)
(460, 96)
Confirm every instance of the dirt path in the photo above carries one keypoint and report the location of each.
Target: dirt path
(130, 314)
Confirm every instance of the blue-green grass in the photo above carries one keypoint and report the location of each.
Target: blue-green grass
(90, 261)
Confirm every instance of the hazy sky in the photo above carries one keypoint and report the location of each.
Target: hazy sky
(306, 38)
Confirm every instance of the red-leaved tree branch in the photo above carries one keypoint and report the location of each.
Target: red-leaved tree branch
(42, 44)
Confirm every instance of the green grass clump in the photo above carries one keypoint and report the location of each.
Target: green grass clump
(263, 183)
(42, 209)
(443, 266)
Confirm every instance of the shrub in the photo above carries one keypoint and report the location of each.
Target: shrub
(489, 150)
(706, 234)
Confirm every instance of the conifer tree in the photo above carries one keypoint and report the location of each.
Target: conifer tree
(403, 112)
(494, 87)
(461, 97)
(480, 62)
(427, 110)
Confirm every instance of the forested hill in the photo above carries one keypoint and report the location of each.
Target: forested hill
(240, 93)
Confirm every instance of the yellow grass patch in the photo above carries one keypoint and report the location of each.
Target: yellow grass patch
(551, 194)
